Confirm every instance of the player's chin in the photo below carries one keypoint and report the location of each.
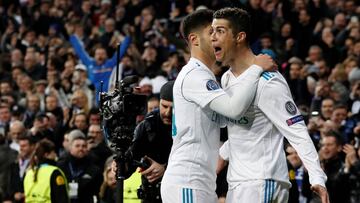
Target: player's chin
(219, 63)
(167, 121)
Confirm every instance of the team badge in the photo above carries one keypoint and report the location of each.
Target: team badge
(60, 180)
(212, 85)
(290, 108)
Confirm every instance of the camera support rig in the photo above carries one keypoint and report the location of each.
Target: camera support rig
(118, 111)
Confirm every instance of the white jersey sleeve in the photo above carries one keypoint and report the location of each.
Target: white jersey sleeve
(277, 104)
(236, 105)
(200, 87)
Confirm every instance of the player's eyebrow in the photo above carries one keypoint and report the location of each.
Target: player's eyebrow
(220, 27)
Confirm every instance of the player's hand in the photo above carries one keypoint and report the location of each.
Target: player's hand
(265, 62)
(322, 192)
(154, 172)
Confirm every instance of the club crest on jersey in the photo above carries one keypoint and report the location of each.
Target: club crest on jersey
(290, 108)
(212, 85)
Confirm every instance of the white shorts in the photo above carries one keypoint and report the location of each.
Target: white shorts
(177, 194)
(259, 191)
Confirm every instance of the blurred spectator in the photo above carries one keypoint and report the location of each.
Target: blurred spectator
(80, 102)
(17, 130)
(337, 183)
(97, 146)
(80, 122)
(107, 192)
(298, 84)
(5, 116)
(79, 81)
(152, 104)
(8, 155)
(322, 91)
(32, 108)
(5, 88)
(16, 172)
(83, 177)
(42, 128)
(52, 106)
(94, 116)
(99, 67)
(352, 165)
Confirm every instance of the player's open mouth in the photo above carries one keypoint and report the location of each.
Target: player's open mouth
(217, 51)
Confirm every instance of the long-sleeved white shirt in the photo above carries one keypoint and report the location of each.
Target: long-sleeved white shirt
(255, 147)
(196, 125)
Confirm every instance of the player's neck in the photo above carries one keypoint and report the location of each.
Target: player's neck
(203, 57)
(242, 61)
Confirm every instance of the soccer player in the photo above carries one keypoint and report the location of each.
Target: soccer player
(190, 175)
(257, 164)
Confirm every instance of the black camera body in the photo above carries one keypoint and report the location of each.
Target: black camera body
(119, 110)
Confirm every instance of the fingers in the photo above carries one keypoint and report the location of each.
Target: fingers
(321, 192)
(148, 170)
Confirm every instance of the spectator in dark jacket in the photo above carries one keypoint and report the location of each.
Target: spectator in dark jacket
(83, 176)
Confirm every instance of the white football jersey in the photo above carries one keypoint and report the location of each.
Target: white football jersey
(255, 147)
(196, 129)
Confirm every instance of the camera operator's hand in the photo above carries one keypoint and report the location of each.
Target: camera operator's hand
(154, 172)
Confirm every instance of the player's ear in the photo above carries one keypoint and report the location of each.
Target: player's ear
(193, 39)
(241, 37)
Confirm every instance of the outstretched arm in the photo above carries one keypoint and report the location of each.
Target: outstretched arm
(123, 47)
(277, 104)
(80, 50)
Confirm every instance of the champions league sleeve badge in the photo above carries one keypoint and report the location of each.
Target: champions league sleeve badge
(212, 85)
(290, 108)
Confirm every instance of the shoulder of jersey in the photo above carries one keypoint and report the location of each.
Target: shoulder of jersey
(266, 75)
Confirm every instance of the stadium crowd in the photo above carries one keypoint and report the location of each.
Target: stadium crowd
(55, 53)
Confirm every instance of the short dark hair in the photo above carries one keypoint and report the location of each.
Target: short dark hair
(239, 19)
(336, 135)
(195, 21)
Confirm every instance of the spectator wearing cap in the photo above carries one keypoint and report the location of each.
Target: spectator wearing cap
(40, 87)
(83, 176)
(80, 81)
(146, 86)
